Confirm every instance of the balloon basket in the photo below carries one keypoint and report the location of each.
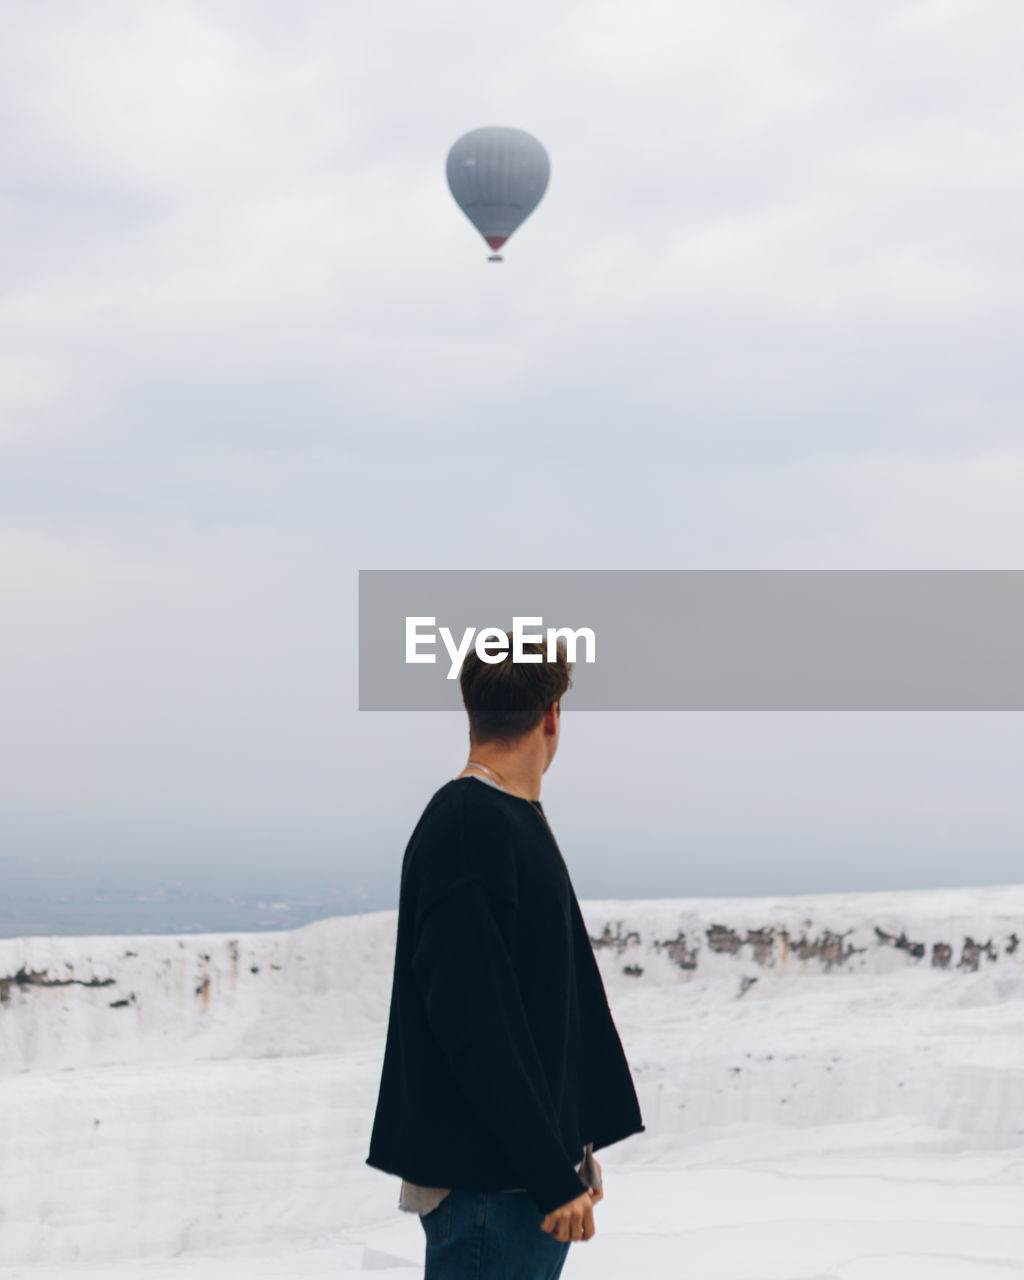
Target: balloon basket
(495, 257)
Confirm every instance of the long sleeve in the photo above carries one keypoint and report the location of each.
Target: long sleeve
(464, 970)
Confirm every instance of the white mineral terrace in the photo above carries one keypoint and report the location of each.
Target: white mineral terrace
(833, 1088)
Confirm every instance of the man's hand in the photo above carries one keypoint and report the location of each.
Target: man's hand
(572, 1221)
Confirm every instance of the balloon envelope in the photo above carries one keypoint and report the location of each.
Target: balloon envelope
(497, 176)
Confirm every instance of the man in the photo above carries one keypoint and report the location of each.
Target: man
(503, 1070)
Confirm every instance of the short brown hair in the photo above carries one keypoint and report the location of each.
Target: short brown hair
(505, 700)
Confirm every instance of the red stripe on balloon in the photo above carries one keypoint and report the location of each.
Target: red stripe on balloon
(495, 241)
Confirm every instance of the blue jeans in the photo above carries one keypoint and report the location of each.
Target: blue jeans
(490, 1235)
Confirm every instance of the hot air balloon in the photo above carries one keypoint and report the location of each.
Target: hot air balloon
(497, 177)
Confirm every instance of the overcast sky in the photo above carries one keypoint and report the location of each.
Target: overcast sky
(768, 315)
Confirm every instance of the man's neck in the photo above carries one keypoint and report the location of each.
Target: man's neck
(519, 772)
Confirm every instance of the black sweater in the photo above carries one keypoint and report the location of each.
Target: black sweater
(501, 1058)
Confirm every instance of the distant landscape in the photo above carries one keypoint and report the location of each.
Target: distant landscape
(38, 902)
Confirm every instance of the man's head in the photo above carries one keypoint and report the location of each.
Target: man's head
(509, 701)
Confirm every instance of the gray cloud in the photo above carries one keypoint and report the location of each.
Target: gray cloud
(767, 315)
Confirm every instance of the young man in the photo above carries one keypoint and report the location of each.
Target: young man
(503, 1071)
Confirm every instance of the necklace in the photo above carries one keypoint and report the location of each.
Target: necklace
(472, 764)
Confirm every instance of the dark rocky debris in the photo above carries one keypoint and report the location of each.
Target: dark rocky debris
(973, 951)
(618, 940)
(902, 943)
(772, 945)
(942, 953)
(24, 978)
(678, 952)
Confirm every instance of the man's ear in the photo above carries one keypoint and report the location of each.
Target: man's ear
(551, 717)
